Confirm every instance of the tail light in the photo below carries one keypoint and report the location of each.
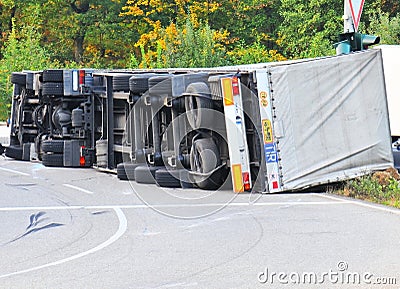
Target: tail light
(82, 160)
(81, 77)
(235, 86)
(246, 181)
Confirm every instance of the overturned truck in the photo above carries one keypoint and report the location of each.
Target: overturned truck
(267, 127)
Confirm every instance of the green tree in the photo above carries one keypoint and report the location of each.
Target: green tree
(193, 47)
(254, 53)
(388, 28)
(22, 51)
(88, 32)
(309, 27)
(248, 21)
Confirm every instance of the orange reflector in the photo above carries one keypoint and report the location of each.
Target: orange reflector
(227, 89)
(237, 178)
(235, 86)
(82, 161)
(81, 77)
(246, 180)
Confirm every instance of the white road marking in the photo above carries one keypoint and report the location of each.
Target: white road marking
(144, 206)
(14, 172)
(123, 224)
(359, 203)
(78, 189)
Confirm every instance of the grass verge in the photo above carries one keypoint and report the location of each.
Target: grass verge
(380, 187)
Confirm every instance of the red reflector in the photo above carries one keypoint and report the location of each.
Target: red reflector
(81, 77)
(246, 181)
(235, 86)
(275, 185)
(82, 161)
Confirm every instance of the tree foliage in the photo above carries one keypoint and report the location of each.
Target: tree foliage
(309, 27)
(168, 33)
(22, 51)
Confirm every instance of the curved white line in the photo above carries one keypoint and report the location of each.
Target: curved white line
(162, 206)
(78, 189)
(14, 172)
(359, 203)
(121, 230)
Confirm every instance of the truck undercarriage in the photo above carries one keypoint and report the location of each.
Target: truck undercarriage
(262, 127)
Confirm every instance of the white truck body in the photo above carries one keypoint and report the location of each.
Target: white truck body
(391, 65)
(329, 119)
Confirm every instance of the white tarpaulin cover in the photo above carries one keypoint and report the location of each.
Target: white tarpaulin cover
(391, 65)
(331, 118)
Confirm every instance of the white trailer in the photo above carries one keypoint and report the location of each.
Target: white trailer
(391, 65)
(322, 120)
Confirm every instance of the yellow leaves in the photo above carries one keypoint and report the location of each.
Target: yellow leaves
(92, 49)
(177, 10)
(133, 11)
(147, 39)
(171, 34)
(144, 8)
(276, 56)
(222, 36)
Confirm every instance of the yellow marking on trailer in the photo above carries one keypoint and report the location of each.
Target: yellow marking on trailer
(238, 186)
(227, 90)
(267, 128)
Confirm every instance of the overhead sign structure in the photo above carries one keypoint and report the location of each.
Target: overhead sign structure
(356, 7)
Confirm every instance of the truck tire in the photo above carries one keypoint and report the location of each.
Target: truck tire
(18, 78)
(205, 158)
(185, 179)
(126, 171)
(139, 84)
(146, 174)
(53, 146)
(165, 179)
(53, 160)
(53, 88)
(160, 85)
(53, 75)
(198, 105)
(14, 152)
(121, 82)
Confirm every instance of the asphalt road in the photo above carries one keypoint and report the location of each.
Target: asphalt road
(81, 228)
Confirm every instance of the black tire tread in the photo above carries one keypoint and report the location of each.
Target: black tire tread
(208, 166)
(53, 75)
(53, 160)
(14, 152)
(202, 116)
(53, 146)
(18, 78)
(160, 85)
(165, 179)
(126, 171)
(139, 84)
(53, 88)
(146, 174)
(121, 82)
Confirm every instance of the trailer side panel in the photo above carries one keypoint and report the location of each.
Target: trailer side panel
(331, 119)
